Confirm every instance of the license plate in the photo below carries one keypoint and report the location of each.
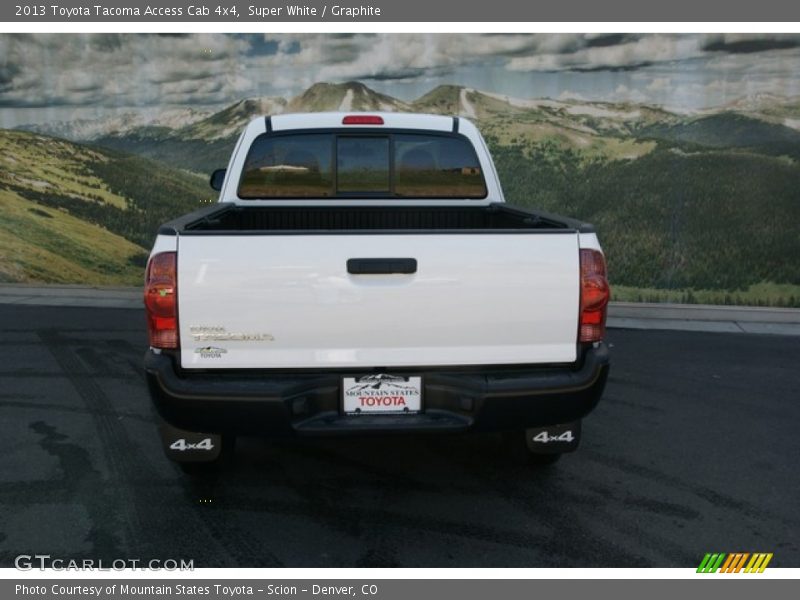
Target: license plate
(381, 393)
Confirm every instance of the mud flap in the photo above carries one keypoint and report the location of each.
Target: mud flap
(555, 439)
(189, 446)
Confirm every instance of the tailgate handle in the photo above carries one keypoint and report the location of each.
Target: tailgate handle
(381, 266)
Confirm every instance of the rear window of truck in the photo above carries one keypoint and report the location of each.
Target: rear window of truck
(361, 165)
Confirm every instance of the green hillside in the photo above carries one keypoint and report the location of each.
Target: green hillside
(721, 221)
(196, 155)
(692, 208)
(78, 214)
(731, 130)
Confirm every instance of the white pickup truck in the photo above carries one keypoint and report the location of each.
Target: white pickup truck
(361, 274)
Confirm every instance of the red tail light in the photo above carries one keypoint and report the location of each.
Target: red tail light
(594, 296)
(362, 120)
(161, 300)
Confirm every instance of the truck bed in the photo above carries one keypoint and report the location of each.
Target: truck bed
(228, 218)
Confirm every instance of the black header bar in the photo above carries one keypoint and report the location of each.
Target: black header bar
(442, 11)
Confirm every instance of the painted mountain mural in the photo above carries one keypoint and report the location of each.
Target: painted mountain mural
(692, 203)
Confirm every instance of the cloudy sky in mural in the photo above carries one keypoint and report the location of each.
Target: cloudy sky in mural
(58, 76)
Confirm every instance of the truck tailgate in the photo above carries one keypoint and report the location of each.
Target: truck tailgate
(288, 301)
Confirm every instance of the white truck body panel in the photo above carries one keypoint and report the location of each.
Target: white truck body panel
(165, 243)
(475, 299)
(589, 241)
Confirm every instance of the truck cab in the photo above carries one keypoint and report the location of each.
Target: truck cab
(362, 274)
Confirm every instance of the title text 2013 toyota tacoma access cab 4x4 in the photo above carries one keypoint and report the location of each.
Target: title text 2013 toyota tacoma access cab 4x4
(361, 274)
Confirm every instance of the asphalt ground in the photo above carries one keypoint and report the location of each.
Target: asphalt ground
(693, 449)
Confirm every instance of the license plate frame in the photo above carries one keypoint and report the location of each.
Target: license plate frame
(381, 394)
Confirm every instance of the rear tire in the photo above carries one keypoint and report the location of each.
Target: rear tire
(199, 469)
(543, 460)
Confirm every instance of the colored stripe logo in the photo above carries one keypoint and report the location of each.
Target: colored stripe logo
(737, 562)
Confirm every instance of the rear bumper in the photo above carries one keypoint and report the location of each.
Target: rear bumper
(289, 403)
